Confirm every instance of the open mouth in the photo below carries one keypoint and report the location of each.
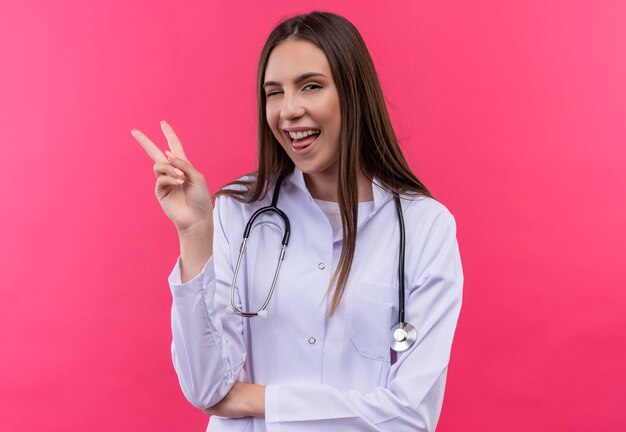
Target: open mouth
(300, 145)
(301, 140)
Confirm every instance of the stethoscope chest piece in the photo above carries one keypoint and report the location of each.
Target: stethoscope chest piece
(403, 336)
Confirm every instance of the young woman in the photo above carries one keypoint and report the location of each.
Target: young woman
(349, 326)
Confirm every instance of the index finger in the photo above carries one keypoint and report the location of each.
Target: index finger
(154, 152)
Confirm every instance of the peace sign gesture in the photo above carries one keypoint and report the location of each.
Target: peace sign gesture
(180, 188)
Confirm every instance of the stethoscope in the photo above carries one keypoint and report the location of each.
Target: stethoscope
(403, 334)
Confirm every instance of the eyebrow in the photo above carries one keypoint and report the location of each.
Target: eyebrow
(298, 79)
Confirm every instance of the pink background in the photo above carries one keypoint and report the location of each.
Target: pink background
(513, 113)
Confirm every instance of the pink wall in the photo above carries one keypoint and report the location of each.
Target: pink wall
(513, 113)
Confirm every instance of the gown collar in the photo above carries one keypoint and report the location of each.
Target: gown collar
(380, 194)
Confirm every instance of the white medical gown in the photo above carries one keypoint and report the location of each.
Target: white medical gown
(322, 373)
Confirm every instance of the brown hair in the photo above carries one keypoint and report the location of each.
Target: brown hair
(368, 141)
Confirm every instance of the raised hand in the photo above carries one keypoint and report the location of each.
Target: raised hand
(180, 188)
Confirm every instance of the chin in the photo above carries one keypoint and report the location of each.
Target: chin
(307, 168)
(315, 168)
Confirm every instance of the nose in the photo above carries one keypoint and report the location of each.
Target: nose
(291, 107)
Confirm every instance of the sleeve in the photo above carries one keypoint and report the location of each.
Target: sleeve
(413, 397)
(208, 351)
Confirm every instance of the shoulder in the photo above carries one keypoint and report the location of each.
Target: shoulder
(427, 213)
(432, 249)
(226, 194)
(242, 184)
(233, 198)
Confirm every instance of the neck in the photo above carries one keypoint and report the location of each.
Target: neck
(323, 186)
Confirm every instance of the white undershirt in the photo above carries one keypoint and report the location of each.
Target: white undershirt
(332, 212)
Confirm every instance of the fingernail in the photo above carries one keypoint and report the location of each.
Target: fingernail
(179, 172)
(179, 181)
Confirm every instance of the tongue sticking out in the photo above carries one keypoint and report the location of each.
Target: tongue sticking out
(301, 143)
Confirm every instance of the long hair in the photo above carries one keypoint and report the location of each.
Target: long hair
(368, 141)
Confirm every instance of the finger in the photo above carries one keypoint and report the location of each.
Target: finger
(193, 174)
(165, 182)
(172, 140)
(154, 152)
(165, 168)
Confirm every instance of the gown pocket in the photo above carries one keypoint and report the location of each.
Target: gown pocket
(371, 319)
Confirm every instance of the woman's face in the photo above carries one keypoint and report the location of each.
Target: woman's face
(302, 105)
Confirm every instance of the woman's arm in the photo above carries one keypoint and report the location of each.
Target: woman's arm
(207, 347)
(196, 247)
(243, 400)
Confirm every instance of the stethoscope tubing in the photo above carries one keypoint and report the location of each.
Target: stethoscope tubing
(404, 333)
(400, 260)
(285, 241)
